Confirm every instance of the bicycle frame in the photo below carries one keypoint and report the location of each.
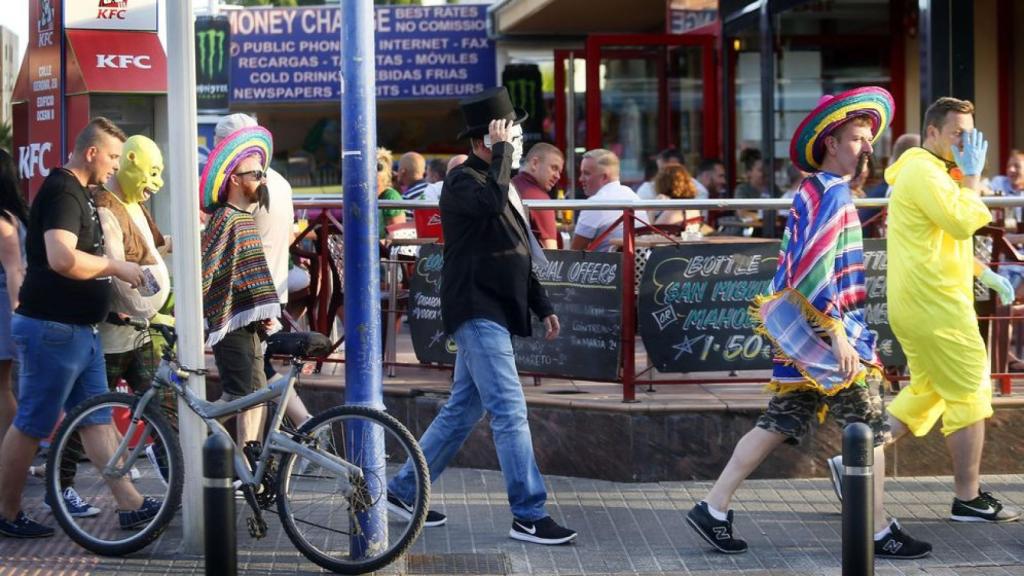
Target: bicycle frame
(170, 374)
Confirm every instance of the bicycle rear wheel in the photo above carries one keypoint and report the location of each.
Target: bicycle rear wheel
(154, 471)
(332, 528)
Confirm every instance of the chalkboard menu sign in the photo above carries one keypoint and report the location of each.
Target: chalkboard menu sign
(431, 344)
(876, 310)
(585, 289)
(693, 303)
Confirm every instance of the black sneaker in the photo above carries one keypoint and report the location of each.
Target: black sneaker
(716, 532)
(543, 531)
(897, 544)
(404, 511)
(129, 519)
(984, 508)
(835, 468)
(24, 527)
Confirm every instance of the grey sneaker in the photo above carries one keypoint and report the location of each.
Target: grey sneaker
(984, 508)
(835, 468)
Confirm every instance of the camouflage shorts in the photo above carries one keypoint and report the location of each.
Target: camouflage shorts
(792, 414)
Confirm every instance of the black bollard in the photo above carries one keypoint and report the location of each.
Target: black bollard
(858, 500)
(219, 506)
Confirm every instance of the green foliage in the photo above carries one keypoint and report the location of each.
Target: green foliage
(6, 136)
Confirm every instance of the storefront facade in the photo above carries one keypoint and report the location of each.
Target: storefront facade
(697, 74)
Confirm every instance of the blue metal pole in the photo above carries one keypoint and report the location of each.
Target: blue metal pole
(363, 366)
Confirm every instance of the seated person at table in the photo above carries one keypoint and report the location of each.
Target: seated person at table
(542, 167)
(674, 183)
(386, 216)
(599, 176)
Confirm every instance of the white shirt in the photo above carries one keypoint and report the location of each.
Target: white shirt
(433, 191)
(592, 223)
(646, 191)
(276, 230)
(125, 299)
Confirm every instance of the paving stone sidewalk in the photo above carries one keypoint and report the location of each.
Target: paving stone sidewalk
(793, 527)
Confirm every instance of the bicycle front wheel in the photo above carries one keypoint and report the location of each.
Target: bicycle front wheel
(342, 522)
(147, 477)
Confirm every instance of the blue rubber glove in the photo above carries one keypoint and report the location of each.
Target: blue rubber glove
(998, 283)
(970, 155)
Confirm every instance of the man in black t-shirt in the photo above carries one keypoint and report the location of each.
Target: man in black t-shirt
(66, 293)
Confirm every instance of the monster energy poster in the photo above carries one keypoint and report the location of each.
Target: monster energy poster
(213, 38)
(523, 82)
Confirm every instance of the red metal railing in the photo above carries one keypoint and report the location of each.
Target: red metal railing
(325, 276)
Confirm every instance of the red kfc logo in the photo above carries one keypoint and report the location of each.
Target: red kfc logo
(112, 10)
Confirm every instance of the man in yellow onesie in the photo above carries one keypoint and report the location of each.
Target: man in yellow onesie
(933, 214)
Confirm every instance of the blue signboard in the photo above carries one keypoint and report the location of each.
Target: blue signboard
(294, 54)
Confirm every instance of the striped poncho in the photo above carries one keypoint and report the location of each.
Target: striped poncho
(237, 286)
(818, 287)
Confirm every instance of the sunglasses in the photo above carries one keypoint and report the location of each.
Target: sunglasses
(257, 174)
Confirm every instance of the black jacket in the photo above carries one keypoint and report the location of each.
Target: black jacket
(487, 272)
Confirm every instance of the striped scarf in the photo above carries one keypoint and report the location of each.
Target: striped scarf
(821, 260)
(237, 286)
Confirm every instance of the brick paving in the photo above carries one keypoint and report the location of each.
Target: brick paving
(793, 527)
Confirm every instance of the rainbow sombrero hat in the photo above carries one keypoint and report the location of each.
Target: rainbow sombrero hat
(807, 149)
(240, 144)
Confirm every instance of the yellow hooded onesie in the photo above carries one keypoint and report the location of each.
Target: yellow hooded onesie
(930, 295)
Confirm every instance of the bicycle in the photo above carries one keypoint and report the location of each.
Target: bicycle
(326, 490)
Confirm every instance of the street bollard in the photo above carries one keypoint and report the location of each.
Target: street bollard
(219, 505)
(858, 501)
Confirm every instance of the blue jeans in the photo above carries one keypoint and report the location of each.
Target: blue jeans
(60, 366)
(485, 379)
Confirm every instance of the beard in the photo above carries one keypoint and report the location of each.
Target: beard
(263, 197)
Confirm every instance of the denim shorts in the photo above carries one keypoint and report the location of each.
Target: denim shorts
(7, 351)
(61, 366)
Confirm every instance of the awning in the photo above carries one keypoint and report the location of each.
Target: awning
(572, 17)
(119, 62)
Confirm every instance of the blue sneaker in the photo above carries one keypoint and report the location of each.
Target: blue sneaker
(129, 519)
(24, 527)
(77, 507)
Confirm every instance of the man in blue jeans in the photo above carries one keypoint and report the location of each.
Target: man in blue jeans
(65, 295)
(488, 290)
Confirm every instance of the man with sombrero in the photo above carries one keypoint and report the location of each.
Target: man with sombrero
(933, 214)
(488, 290)
(825, 353)
(238, 290)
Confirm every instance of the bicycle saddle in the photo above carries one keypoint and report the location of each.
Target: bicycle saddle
(298, 344)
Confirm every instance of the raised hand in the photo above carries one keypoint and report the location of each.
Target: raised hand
(970, 155)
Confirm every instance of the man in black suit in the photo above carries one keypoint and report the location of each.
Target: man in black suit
(488, 290)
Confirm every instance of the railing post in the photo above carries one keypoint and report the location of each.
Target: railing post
(221, 548)
(323, 326)
(858, 500)
(628, 308)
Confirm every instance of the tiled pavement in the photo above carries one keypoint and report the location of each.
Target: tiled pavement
(793, 527)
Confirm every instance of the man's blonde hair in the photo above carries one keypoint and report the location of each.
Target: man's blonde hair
(606, 159)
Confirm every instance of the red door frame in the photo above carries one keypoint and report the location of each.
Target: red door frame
(592, 53)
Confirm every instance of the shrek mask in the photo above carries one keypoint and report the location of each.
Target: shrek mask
(141, 167)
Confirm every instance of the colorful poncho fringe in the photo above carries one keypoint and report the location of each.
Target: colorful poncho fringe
(237, 286)
(818, 287)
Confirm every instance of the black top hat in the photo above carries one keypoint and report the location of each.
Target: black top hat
(491, 104)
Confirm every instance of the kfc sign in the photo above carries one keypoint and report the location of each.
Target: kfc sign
(112, 14)
(123, 61)
(31, 162)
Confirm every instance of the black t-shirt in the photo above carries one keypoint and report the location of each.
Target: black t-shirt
(64, 204)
